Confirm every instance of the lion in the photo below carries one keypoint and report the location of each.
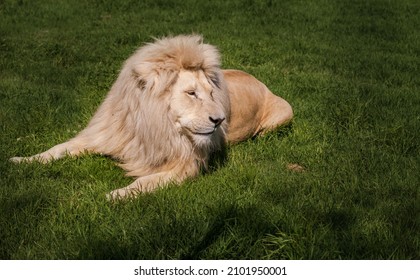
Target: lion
(170, 108)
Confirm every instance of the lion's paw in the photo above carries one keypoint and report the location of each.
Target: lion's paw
(120, 194)
(17, 159)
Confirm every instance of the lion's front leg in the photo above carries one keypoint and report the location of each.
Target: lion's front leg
(143, 185)
(71, 147)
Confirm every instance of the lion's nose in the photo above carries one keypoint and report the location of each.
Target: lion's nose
(216, 121)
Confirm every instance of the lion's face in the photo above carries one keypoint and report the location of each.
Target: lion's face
(197, 108)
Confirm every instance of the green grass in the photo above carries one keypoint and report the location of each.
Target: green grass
(350, 69)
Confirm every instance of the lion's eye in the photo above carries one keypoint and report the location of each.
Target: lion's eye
(192, 93)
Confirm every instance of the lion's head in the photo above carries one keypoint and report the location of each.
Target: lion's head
(177, 101)
(197, 108)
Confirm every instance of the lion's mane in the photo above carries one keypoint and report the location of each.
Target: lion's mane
(132, 123)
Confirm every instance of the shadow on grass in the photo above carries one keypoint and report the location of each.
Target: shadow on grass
(230, 233)
(220, 240)
(279, 132)
(219, 158)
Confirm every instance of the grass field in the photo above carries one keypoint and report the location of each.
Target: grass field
(350, 69)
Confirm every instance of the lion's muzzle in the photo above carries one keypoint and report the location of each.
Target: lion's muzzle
(216, 121)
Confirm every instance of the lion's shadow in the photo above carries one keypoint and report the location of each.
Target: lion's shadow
(218, 159)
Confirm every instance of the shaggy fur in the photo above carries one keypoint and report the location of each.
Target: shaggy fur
(169, 109)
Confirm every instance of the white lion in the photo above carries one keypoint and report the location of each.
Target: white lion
(169, 109)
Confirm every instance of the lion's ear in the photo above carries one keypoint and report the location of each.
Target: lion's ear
(141, 84)
(143, 75)
(215, 79)
(152, 79)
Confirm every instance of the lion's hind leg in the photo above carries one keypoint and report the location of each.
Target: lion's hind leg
(277, 112)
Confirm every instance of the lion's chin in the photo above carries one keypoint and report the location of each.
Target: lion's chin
(209, 133)
(202, 133)
(203, 139)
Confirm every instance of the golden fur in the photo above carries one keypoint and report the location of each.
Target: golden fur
(169, 109)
